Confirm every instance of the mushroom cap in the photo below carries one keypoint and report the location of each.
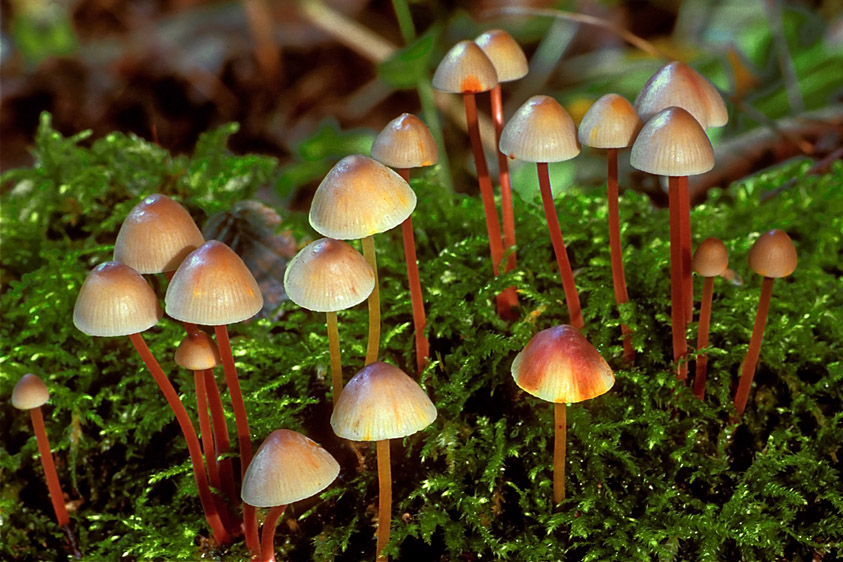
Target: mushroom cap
(465, 69)
(213, 287)
(197, 352)
(360, 197)
(711, 258)
(405, 142)
(115, 300)
(30, 392)
(773, 255)
(286, 468)
(156, 236)
(540, 131)
(506, 54)
(559, 365)
(611, 122)
(677, 84)
(381, 402)
(672, 144)
(328, 275)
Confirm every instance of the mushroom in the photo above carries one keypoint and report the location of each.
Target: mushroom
(115, 300)
(359, 198)
(381, 403)
(30, 393)
(406, 143)
(287, 467)
(710, 260)
(772, 256)
(327, 276)
(612, 123)
(541, 131)
(674, 144)
(213, 287)
(559, 365)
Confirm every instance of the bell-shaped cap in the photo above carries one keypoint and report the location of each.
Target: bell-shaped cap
(115, 300)
(156, 236)
(405, 142)
(30, 392)
(678, 85)
(559, 365)
(465, 70)
(286, 468)
(672, 144)
(213, 287)
(711, 258)
(381, 402)
(197, 352)
(506, 54)
(328, 275)
(540, 131)
(611, 122)
(773, 255)
(358, 198)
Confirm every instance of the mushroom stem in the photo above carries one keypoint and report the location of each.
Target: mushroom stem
(507, 212)
(52, 477)
(416, 300)
(677, 306)
(506, 299)
(334, 346)
(268, 533)
(571, 296)
(685, 238)
(384, 497)
(618, 279)
(220, 431)
(205, 429)
(702, 338)
(560, 435)
(244, 441)
(187, 429)
(751, 359)
(373, 345)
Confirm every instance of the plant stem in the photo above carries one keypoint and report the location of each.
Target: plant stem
(560, 436)
(220, 431)
(571, 297)
(268, 533)
(205, 429)
(677, 307)
(618, 279)
(405, 20)
(205, 497)
(384, 497)
(334, 346)
(685, 225)
(702, 338)
(244, 440)
(52, 477)
(373, 345)
(431, 118)
(416, 299)
(751, 359)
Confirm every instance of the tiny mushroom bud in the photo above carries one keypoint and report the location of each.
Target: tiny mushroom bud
(710, 260)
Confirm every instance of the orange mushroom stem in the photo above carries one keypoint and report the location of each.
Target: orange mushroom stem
(220, 432)
(618, 279)
(685, 241)
(754, 351)
(677, 299)
(268, 532)
(384, 497)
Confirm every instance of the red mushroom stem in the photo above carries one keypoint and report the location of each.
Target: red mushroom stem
(507, 211)
(685, 239)
(677, 306)
(195, 451)
(618, 279)
(702, 338)
(374, 302)
(507, 299)
(334, 347)
(570, 288)
(384, 497)
(205, 429)
(416, 300)
(268, 533)
(244, 441)
(560, 436)
(220, 432)
(751, 359)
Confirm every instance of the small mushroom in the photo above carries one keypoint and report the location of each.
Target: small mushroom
(710, 260)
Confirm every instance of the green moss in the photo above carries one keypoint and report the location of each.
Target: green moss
(653, 473)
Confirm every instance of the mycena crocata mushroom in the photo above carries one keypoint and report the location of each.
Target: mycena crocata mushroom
(773, 257)
(115, 300)
(541, 131)
(381, 403)
(559, 365)
(30, 393)
(710, 260)
(287, 467)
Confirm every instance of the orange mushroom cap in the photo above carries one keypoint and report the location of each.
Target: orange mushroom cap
(506, 54)
(611, 122)
(197, 352)
(465, 69)
(672, 144)
(540, 131)
(773, 255)
(677, 84)
(711, 258)
(30, 392)
(405, 142)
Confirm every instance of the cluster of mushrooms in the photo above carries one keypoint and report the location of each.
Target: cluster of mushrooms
(210, 286)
